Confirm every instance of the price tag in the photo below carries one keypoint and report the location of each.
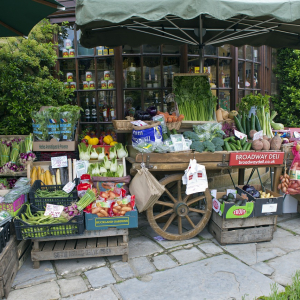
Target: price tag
(296, 134)
(258, 135)
(53, 210)
(240, 135)
(59, 162)
(216, 205)
(269, 208)
(68, 188)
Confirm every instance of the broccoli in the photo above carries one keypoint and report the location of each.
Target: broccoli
(209, 146)
(191, 136)
(218, 142)
(219, 148)
(197, 146)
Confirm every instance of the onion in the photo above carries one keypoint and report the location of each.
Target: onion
(284, 189)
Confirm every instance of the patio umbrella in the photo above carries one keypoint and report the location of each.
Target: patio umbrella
(17, 17)
(274, 23)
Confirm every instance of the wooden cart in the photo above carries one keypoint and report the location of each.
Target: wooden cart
(189, 213)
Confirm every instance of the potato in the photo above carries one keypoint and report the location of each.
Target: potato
(251, 133)
(266, 144)
(100, 215)
(117, 207)
(257, 145)
(95, 210)
(275, 143)
(265, 137)
(126, 209)
(104, 212)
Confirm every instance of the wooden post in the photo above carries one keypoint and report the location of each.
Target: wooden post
(241, 179)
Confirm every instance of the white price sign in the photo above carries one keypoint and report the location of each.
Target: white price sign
(68, 188)
(216, 205)
(269, 208)
(59, 162)
(240, 135)
(258, 135)
(53, 210)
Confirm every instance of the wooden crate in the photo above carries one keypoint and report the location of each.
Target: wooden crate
(8, 267)
(23, 251)
(98, 243)
(240, 231)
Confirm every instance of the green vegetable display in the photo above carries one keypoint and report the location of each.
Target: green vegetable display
(51, 194)
(194, 98)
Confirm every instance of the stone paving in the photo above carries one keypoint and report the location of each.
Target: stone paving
(198, 268)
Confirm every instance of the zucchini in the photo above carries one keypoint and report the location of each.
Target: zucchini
(257, 124)
(238, 146)
(243, 141)
(238, 125)
(233, 147)
(227, 147)
(252, 122)
(227, 139)
(244, 121)
(248, 127)
(249, 146)
(245, 146)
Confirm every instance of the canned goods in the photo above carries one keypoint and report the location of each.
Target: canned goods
(106, 75)
(65, 53)
(103, 84)
(71, 53)
(88, 76)
(85, 85)
(68, 44)
(111, 51)
(70, 77)
(105, 51)
(111, 84)
(67, 85)
(73, 86)
(92, 85)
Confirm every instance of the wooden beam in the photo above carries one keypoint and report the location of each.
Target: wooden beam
(47, 3)
(11, 29)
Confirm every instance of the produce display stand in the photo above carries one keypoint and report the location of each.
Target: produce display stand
(175, 202)
(96, 243)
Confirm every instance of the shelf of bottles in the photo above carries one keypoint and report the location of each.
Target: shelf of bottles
(90, 74)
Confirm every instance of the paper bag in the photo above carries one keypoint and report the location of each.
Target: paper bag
(146, 188)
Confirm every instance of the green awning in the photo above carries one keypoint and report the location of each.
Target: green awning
(256, 22)
(18, 17)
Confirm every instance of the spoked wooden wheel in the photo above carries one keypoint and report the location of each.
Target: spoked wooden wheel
(177, 216)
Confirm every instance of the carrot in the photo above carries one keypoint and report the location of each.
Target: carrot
(180, 118)
(174, 113)
(169, 120)
(174, 119)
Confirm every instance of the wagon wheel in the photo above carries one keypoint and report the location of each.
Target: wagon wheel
(179, 210)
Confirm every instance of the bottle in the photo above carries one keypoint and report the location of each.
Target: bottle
(94, 111)
(155, 83)
(105, 113)
(248, 79)
(165, 105)
(101, 111)
(112, 114)
(87, 111)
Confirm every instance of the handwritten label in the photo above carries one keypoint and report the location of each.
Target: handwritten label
(269, 208)
(68, 188)
(59, 162)
(258, 135)
(240, 135)
(53, 210)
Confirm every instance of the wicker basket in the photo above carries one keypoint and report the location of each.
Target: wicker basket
(174, 125)
(122, 124)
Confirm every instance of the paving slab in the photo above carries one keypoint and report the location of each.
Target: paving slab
(210, 249)
(72, 267)
(115, 258)
(27, 276)
(285, 267)
(287, 243)
(263, 268)
(99, 277)
(163, 262)
(187, 256)
(142, 246)
(244, 252)
(141, 266)
(72, 286)
(279, 233)
(45, 291)
(285, 217)
(123, 269)
(99, 294)
(168, 244)
(204, 234)
(293, 225)
(263, 254)
(231, 280)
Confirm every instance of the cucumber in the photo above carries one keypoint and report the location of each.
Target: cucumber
(238, 146)
(238, 125)
(227, 147)
(233, 147)
(252, 122)
(257, 124)
(243, 141)
(245, 146)
(244, 121)
(249, 146)
(227, 139)
(248, 127)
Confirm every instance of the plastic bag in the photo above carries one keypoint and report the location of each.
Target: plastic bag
(178, 142)
(121, 207)
(294, 184)
(82, 189)
(39, 125)
(143, 145)
(52, 117)
(162, 120)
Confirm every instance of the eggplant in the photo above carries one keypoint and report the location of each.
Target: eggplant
(151, 110)
(252, 191)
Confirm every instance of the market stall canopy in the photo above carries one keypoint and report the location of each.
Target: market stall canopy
(275, 23)
(18, 17)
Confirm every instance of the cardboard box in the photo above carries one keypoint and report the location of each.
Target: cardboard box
(54, 145)
(265, 206)
(228, 210)
(93, 222)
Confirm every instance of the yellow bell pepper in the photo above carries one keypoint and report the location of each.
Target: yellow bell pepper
(108, 139)
(93, 141)
(87, 137)
(113, 143)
